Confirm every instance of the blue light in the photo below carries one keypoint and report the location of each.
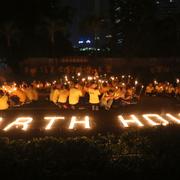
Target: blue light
(80, 42)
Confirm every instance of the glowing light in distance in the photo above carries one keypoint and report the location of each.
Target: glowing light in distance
(88, 42)
(177, 81)
(1, 119)
(80, 42)
(66, 78)
(133, 119)
(90, 78)
(21, 121)
(85, 122)
(52, 121)
(155, 82)
(158, 117)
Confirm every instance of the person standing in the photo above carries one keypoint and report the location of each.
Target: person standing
(74, 95)
(94, 94)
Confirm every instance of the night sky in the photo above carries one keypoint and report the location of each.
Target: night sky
(27, 15)
(30, 11)
(83, 9)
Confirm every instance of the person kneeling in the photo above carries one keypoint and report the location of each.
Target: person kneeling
(107, 99)
(3, 101)
(63, 97)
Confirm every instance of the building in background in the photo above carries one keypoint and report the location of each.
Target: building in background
(116, 19)
(168, 8)
(84, 11)
(122, 16)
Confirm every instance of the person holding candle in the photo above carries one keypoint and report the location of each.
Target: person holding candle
(74, 95)
(19, 93)
(149, 89)
(28, 91)
(54, 95)
(107, 99)
(3, 101)
(94, 94)
(63, 97)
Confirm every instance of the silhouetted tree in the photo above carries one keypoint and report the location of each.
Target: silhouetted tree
(54, 26)
(10, 32)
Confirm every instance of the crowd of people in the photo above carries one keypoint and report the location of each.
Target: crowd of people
(73, 91)
(35, 71)
(13, 95)
(163, 89)
(95, 91)
(78, 91)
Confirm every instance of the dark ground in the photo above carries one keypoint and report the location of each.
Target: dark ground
(101, 121)
(106, 151)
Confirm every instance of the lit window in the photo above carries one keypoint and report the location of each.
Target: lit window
(120, 41)
(88, 42)
(118, 9)
(97, 38)
(80, 42)
(108, 36)
(118, 21)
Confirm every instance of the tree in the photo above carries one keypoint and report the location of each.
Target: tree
(54, 26)
(10, 31)
(56, 22)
